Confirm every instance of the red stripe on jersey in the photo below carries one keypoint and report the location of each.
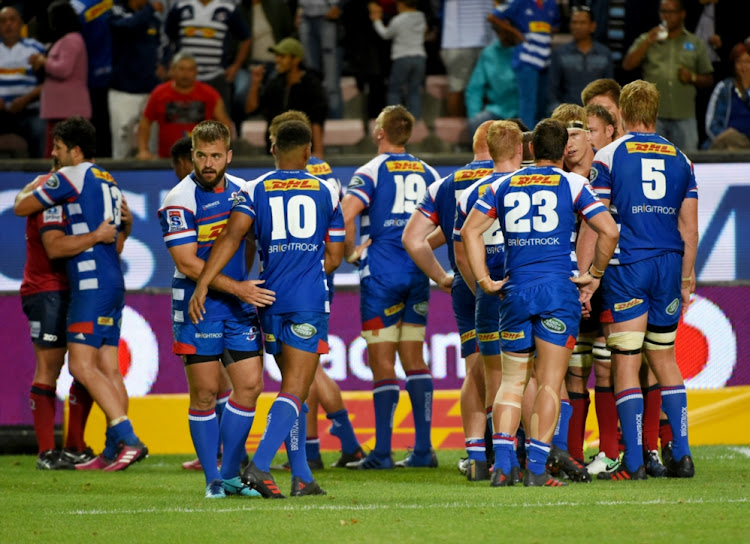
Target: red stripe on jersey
(85, 327)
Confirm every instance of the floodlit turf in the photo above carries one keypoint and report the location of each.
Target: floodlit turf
(158, 501)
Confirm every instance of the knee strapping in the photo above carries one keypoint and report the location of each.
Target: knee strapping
(516, 372)
(601, 352)
(378, 336)
(582, 356)
(412, 334)
(660, 339)
(625, 343)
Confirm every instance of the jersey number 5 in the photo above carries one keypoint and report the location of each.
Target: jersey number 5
(298, 219)
(654, 182)
(545, 220)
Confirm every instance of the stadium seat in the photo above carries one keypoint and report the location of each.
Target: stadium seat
(452, 130)
(343, 132)
(254, 132)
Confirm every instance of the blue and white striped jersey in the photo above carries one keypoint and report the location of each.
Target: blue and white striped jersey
(535, 23)
(16, 76)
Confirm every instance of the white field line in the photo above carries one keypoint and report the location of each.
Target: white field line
(261, 505)
(743, 451)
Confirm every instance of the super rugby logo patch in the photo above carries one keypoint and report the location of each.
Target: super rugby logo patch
(52, 182)
(176, 220)
(593, 174)
(552, 324)
(304, 330)
(421, 308)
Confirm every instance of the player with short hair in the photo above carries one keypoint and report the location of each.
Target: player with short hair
(324, 390)
(428, 227)
(192, 216)
(601, 125)
(541, 305)
(504, 143)
(652, 186)
(89, 196)
(605, 92)
(299, 229)
(394, 292)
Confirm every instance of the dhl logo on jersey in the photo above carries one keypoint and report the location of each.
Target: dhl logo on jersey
(394, 309)
(291, 184)
(471, 173)
(319, 169)
(210, 231)
(489, 336)
(97, 10)
(468, 335)
(534, 179)
(508, 335)
(650, 147)
(632, 303)
(483, 189)
(193, 31)
(20, 71)
(404, 166)
(102, 174)
(540, 26)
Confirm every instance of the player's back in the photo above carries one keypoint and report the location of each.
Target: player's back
(294, 213)
(191, 214)
(537, 209)
(91, 195)
(647, 178)
(391, 185)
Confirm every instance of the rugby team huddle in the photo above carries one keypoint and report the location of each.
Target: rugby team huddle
(564, 258)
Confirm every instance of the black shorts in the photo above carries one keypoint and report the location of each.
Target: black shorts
(47, 314)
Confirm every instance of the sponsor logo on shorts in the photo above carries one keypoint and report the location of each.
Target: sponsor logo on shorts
(53, 182)
(651, 147)
(534, 179)
(672, 308)
(404, 166)
(269, 337)
(510, 335)
(79, 336)
(106, 321)
(552, 324)
(471, 173)
(421, 307)
(304, 330)
(488, 336)
(209, 335)
(252, 333)
(36, 328)
(632, 303)
(49, 337)
(468, 335)
(394, 309)
(291, 184)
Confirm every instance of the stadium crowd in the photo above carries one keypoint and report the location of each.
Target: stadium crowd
(560, 264)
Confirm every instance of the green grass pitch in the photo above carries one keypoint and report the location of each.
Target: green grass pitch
(158, 501)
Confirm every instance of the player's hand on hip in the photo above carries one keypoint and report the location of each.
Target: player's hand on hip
(587, 286)
(446, 283)
(493, 287)
(196, 308)
(251, 292)
(356, 256)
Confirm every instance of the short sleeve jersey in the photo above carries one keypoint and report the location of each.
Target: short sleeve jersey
(646, 178)
(191, 214)
(494, 244)
(391, 186)
(535, 21)
(537, 209)
(89, 195)
(439, 202)
(40, 273)
(294, 215)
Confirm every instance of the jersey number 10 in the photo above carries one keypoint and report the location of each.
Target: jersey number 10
(299, 218)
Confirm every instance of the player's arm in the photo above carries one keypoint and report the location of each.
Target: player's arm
(126, 224)
(351, 207)
(415, 240)
(436, 239)
(251, 247)
(471, 233)
(687, 223)
(462, 262)
(605, 230)
(58, 245)
(26, 203)
(334, 254)
(586, 242)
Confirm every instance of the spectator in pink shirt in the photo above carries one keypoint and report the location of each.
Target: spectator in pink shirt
(65, 91)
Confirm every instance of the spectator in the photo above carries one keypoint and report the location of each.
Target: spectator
(65, 91)
(318, 32)
(465, 33)
(575, 64)
(408, 56)
(292, 88)
(492, 91)
(94, 17)
(19, 85)
(202, 28)
(177, 106)
(729, 108)
(270, 22)
(601, 125)
(532, 23)
(135, 73)
(677, 64)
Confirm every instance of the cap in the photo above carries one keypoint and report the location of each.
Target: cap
(289, 46)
